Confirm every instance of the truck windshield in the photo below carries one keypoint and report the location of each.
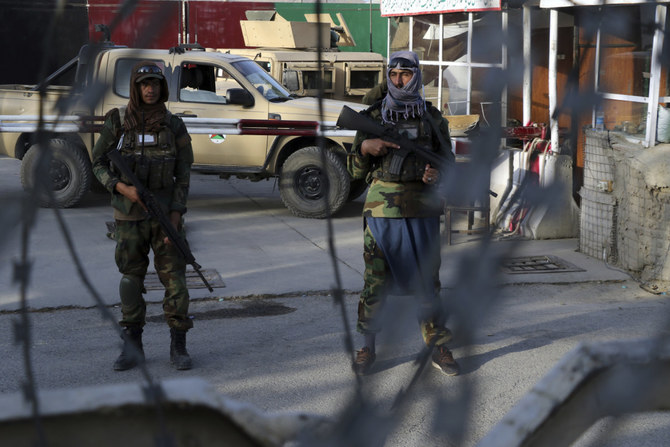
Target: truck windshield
(262, 81)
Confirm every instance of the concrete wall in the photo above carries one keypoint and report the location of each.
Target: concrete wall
(626, 207)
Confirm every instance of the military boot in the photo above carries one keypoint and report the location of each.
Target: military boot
(132, 352)
(178, 355)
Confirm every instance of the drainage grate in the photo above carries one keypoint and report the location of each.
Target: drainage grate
(538, 264)
(193, 281)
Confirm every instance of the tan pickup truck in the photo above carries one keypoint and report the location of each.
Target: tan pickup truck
(243, 123)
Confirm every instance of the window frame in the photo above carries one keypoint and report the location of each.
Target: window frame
(469, 64)
(653, 99)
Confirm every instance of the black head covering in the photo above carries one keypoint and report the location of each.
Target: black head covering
(137, 111)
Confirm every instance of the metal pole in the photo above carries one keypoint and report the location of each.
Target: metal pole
(655, 78)
(440, 68)
(388, 36)
(596, 81)
(527, 65)
(469, 61)
(504, 51)
(370, 26)
(553, 58)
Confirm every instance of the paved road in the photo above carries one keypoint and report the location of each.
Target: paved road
(273, 336)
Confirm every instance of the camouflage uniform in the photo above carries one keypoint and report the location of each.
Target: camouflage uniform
(402, 197)
(167, 175)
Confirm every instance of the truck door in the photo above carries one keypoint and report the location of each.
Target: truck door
(205, 92)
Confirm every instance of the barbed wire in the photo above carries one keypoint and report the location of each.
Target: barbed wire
(42, 188)
(468, 300)
(361, 412)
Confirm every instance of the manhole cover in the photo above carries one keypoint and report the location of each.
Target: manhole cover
(193, 281)
(538, 264)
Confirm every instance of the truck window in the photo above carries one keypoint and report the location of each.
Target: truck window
(199, 83)
(364, 79)
(309, 74)
(122, 74)
(360, 77)
(224, 82)
(266, 65)
(310, 80)
(262, 81)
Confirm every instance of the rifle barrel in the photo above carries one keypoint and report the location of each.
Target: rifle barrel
(154, 209)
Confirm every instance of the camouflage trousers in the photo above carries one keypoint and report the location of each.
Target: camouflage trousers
(134, 239)
(377, 279)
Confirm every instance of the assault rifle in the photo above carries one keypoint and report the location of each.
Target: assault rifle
(154, 210)
(350, 119)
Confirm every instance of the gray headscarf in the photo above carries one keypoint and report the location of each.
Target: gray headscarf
(405, 102)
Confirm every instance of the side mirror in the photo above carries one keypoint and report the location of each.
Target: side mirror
(290, 80)
(239, 96)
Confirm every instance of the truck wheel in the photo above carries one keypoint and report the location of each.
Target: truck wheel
(357, 188)
(69, 173)
(303, 183)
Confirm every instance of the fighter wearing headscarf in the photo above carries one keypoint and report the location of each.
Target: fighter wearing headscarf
(402, 214)
(157, 147)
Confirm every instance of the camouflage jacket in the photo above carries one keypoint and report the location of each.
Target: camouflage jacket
(172, 196)
(397, 199)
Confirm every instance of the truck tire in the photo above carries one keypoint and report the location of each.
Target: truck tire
(302, 184)
(70, 173)
(356, 189)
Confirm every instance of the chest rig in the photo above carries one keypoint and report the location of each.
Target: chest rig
(151, 156)
(412, 167)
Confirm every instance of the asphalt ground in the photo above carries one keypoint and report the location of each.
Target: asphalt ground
(275, 337)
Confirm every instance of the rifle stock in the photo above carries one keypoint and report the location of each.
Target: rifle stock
(350, 119)
(155, 211)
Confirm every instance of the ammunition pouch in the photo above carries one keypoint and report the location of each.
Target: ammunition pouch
(400, 165)
(142, 167)
(161, 172)
(152, 163)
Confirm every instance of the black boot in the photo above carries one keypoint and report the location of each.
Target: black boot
(178, 355)
(132, 352)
